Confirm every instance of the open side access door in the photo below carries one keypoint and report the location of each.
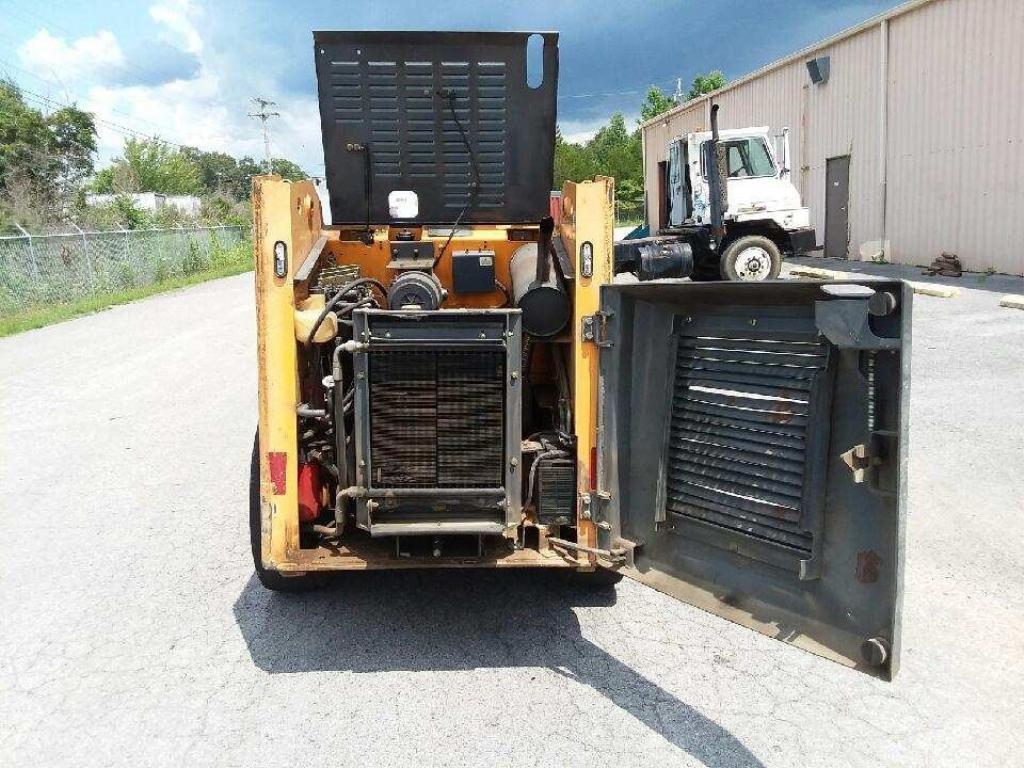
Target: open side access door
(753, 454)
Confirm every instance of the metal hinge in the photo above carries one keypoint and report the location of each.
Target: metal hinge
(595, 329)
(592, 507)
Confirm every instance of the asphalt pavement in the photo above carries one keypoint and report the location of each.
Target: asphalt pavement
(132, 632)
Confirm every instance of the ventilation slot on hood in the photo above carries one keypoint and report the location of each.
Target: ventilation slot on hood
(739, 441)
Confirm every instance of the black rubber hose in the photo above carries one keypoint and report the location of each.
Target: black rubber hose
(505, 292)
(337, 298)
(474, 187)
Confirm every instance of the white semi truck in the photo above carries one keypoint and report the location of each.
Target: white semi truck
(733, 219)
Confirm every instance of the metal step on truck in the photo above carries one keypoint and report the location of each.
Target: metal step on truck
(726, 196)
(450, 377)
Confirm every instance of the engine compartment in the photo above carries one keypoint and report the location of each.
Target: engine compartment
(434, 378)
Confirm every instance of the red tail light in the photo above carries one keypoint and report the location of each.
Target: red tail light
(593, 468)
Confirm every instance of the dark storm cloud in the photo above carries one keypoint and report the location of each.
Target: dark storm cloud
(610, 51)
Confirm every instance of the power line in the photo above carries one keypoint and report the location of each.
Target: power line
(64, 88)
(630, 92)
(119, 128)
(264, 117)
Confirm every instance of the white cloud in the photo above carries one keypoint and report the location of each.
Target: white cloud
(178, 17)
(582, 131)
(86, 58)
(207, 109)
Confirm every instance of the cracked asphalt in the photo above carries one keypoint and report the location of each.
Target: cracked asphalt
(133, 634)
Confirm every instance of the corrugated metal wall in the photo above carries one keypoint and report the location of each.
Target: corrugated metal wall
(954, 131)
(956, 134)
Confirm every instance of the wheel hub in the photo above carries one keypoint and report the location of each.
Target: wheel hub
(753, 263)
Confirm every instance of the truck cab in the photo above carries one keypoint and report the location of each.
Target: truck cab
(763, 215)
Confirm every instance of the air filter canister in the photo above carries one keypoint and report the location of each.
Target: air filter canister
(544, 303)
(420, 290)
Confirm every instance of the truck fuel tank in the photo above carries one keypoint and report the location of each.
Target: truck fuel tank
(654, 258)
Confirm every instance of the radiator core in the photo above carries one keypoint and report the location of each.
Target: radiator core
(437, 419)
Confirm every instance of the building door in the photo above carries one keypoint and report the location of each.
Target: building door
(837, 207)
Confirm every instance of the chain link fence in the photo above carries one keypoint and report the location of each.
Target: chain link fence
(629, 212)
(67, 266)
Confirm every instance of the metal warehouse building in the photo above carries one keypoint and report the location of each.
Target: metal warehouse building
(917, 133)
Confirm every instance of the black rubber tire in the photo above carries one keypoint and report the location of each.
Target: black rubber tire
(737, 246)
(270, 579)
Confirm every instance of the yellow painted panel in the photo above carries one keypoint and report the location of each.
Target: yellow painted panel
(587, 216)
(289, 213)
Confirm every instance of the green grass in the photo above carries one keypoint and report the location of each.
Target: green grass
(232, 261)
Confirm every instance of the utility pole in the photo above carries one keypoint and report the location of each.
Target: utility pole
(264, 116)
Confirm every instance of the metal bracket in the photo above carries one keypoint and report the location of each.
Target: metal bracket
(595, 329)
(591, 505)
(860, 459)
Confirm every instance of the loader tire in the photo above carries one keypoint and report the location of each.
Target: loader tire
(270, 579)
(751, 259)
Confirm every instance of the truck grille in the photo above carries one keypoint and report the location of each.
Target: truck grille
(738, 442)
(437, 419)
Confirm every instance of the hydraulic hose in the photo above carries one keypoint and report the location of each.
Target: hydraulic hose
(345, 290)
(340, 434)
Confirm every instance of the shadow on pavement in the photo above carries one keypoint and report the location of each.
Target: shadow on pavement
(452, 620)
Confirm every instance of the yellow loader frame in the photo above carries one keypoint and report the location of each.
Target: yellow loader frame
(288, 214)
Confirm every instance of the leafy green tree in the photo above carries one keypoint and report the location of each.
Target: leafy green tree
(702, 84)
(572, 161)
(150, 165)
(241, 188)
(616, 150)
(613, 151)
(286, 169)
(655, 103)
(217, 170)
(73, 142)
(42, 157)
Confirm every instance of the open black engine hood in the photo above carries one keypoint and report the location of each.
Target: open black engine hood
(393, 93)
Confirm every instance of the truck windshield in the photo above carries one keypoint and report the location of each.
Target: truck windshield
(747, 157)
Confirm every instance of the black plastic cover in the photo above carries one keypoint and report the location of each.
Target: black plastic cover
(390, 95)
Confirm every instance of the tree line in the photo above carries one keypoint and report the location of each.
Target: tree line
(615, 149)
(47, 164)
(47, 167)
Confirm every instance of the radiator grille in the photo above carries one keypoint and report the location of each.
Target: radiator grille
(437, 419)
(739, 433)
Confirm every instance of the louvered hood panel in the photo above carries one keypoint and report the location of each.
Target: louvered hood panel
(398, 94)
(737, 447)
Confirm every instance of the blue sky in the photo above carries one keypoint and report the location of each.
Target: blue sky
(185, 69)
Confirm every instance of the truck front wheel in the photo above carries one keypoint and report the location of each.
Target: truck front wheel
(751, 258)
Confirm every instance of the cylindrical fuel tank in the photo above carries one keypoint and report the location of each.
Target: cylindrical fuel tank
(545, 304)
